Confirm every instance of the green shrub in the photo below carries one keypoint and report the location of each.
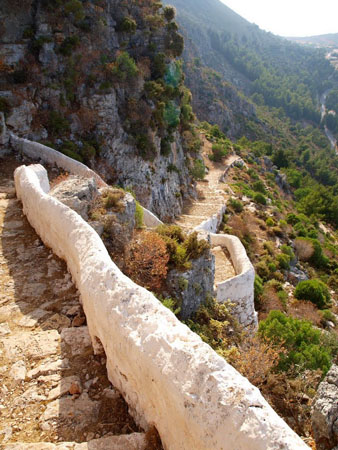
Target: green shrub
(272, 267)
(172, 304)
(68, 45)
(124, 68)
(174, 44)
(68, 151)
(75, 8)
(159, 66)
(270, 222)
(138, 215)
(145, 146)
(262, 270)
(258, 186)
(181, 248)
(287, 250)
(165, 146)
(283, 296)
(169, 13)
(283, 261)
(269, 246)
(300, 339)
(172, 114)
(316, 256)
(259, 198)
(258, 288)
(314, 291)
(328, 315)
(292, 219)
(236, 205)
(57, 123)
(219, 151)
(198, 170)
(127, 25)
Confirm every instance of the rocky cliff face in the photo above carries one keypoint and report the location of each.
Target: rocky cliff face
(98, 80)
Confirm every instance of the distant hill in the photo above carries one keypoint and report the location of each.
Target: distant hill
(267, 68)
(323, 40)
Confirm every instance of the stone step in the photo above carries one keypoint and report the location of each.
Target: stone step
(203, 210)
(134, 441)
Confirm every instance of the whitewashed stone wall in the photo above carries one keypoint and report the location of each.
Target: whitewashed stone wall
(212, 224)
(48, 155)
(239, 289)
(168, 376)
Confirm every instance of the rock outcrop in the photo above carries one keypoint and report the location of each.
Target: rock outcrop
(325, 412)
(193, 286)
(94, 81)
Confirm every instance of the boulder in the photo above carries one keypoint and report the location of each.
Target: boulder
(325, 412)
(77, 193)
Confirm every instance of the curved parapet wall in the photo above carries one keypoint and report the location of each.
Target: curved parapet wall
(48, 155)
(168, 376)
(239, 289)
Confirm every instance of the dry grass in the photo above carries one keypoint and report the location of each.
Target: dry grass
(304, 249)
(269, 302)
(305, 310)
(59, 179)
(147, 260)
(111, 199)
(256, 360)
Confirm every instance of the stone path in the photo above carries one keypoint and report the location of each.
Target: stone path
(211, 196)
(53, 388)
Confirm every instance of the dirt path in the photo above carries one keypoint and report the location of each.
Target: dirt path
(211, 196)
(53, 388)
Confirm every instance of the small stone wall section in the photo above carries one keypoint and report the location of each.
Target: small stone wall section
(168, 376)
(212, 224)
(239, 289)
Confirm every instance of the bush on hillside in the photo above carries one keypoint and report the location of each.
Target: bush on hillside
(219, 151)
(259, 198)
(300, 339)
(314, 291)
(310, 250)
(127, 25)
(147, 261)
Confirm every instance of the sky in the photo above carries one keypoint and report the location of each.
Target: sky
(289, 17)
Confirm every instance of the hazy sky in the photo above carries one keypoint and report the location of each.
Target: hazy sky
(289, 17)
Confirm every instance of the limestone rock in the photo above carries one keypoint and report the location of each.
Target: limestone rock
(21, 117)
(325, 412)
(77, 193)
(81, 411)
(65, 386)
(48, 368)
(193, 286)
(78, 340)
(134, 441)
(18, 371)
(36, 346)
